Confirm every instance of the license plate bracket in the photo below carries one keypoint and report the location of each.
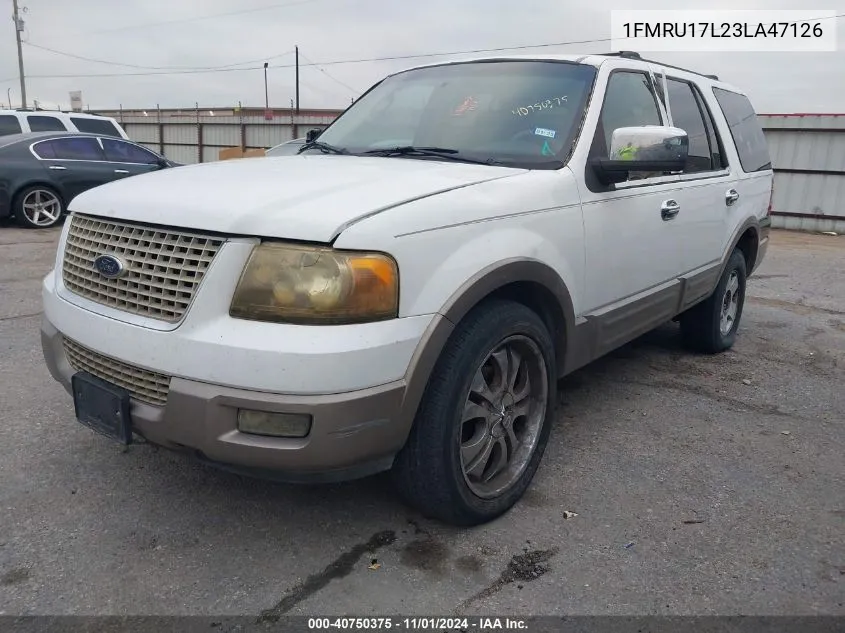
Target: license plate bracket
(102, 407)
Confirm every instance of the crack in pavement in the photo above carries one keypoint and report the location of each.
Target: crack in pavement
(340, 567)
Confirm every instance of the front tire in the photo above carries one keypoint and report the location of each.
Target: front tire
(484, 420)
(38, 207)
(711, 326)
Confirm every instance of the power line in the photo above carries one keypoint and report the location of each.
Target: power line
(204, 17)
(111, 63)
(329, 75)
(357, 61)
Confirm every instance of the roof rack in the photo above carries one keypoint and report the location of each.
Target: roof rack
(635, 55)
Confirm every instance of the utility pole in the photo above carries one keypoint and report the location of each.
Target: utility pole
(18, 29)
(297, 78)
(266, 93)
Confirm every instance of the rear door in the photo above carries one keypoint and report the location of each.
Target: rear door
(750, 155)
(705, 197)
(76, 163)
(129, 159)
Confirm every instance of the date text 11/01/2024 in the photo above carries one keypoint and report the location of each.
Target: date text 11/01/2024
(481, 624)
(723, 30)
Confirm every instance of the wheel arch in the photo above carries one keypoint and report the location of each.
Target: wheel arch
(530, 282)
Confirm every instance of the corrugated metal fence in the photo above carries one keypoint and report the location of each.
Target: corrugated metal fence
(198, 136)
(808, 156)
(808, 151)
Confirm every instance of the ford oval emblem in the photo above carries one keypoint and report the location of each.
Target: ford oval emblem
(109, 266)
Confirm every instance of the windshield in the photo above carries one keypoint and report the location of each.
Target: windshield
(514, 113)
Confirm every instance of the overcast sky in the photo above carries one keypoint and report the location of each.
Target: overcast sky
(186, 33)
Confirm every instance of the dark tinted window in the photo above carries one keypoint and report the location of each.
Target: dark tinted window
(123, 152)
(77, 148)
(687, 116)
(745, 130)
(629, 101)
(95, 126)
(44, 149)
(717, 149)
(9, 125)
(39, 123)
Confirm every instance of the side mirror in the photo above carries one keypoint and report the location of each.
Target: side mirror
(650, 148)
(312, 135)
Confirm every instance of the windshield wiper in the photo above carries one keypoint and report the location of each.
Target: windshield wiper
(323, 147)
(435, 152)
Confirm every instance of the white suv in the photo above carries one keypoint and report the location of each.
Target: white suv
(405, 292)
(23, 121)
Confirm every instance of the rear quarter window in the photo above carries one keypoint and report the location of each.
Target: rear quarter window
(40, 123)
(745, 129)
(9, 125)
(96, 126)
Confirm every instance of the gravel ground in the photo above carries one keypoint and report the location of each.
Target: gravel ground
(702, 485)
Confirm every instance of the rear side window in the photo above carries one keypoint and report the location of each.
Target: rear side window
(38, 123)
(82, 148)
(95, 126)
(745, 130)
(9, 125)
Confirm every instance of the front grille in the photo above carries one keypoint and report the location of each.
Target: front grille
(163, 267)
(146, 386)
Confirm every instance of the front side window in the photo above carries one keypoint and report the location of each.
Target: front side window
(39, 123)
(76, 148)
(745, 129)
(514, 113)
(122, 152)
(9, 125)
(628, 102)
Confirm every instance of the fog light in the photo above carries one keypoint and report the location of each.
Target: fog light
(273, 424)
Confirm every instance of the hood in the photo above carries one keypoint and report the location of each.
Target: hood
(308, 197)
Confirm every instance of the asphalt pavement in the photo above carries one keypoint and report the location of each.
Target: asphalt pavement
(673, 483)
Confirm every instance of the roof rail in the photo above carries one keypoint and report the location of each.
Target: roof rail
(625, 54)
(635, 55)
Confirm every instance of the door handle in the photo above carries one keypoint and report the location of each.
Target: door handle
(731, 196)
(58, 167)
(669, 209)
(121, 171)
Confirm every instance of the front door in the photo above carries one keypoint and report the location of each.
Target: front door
(632, 239)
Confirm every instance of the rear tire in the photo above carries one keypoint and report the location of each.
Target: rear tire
(38, 207)
(711, 326)
(469, 459)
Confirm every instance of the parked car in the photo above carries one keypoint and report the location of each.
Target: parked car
(41, 172)
(24, 121)
(406, 293)
(288, 148)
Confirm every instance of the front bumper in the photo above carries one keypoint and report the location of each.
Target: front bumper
(353, 434)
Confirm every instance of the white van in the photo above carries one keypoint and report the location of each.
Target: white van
(22, 121)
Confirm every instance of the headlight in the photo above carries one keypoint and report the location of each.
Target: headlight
(302, 284)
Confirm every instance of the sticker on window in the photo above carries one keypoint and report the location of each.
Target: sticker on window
(541, 131)
(467, 105)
